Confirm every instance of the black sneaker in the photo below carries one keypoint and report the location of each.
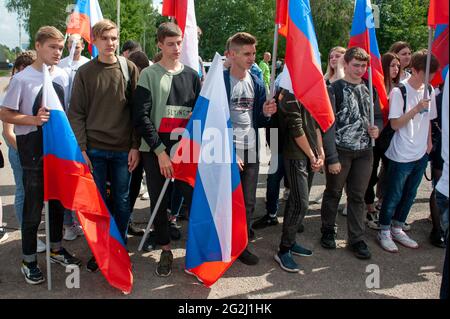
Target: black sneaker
(174, 230)
(265, 221)
(248, 258)
(92, 265)
(32, 273)
(328, 240)
(134, 231)
(437, 239)
(150, 242)
(361, 250)
(63, 258)
(164, 268)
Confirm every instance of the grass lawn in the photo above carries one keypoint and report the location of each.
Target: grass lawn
(5, 73)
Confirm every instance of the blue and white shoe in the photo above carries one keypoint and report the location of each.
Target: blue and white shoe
(300, 251)
(286, 262)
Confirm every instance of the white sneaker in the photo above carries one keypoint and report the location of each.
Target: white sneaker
(400, 236)
(145, 196)
(40, 246)
(72, 232)
(406, 227)
(386, 242)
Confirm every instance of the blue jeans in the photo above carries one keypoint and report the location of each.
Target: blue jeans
(404, 180)
(117, 162)
(19, 197)
(273, 188)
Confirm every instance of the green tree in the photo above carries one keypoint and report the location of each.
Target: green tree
(403, 20)
(136, 15)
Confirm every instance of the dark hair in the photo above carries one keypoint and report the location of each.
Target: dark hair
(168, 29)
(24, 59)
(132, 46)
(356, 53)
(386, 61)
(140, 59)
(419, 61)
(240, 39)
(398, 46)
(157, 57)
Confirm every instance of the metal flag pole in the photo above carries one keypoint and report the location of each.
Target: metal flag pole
(274, 62)
(155, 210)
(47, 245)
(427, 71)
(118, 26)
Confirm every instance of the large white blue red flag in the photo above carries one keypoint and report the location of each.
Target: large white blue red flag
(303, 72)
(85, 15)
(67, 178)
(205, 159)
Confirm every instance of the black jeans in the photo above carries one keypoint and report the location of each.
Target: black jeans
(135, 185)
(300, 178)
(31, 159)
(355, 174)
(155, 183)
(369, 197)
(249, 182)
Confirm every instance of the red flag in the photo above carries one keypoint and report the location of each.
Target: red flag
(438, 12)
(176, 9)
(281, 16)
(168, 8)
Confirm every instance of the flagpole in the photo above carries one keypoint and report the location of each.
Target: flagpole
(155, 210)
(371, 111)
(47, 245)
(427, 71)
(274, 62)
(118, 26)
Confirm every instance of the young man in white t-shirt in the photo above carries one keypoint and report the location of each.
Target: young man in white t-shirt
(408, 152)
(23, 107)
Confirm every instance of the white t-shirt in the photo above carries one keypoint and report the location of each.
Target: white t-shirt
(64, 63)
(442, 185)
(25, 87)
(410, 142)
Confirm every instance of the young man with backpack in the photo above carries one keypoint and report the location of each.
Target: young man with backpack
(23, 107)
(100, 116)
(349, 155)
(408, 151)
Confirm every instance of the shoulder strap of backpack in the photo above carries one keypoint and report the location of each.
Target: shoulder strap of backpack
(402, 88)
(124, 68)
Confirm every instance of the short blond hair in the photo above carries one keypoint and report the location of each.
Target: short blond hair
(48, 32)
(102, 26)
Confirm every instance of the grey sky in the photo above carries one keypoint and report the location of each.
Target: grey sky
(9, 28)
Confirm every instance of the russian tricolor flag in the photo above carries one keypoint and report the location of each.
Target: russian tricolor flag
(363, 35)
(184, 13)
(303, 72)
(85, 15)
(217, 232)
(67, 178)
(438, 16)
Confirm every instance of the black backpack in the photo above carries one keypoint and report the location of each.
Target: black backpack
(384, 140)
